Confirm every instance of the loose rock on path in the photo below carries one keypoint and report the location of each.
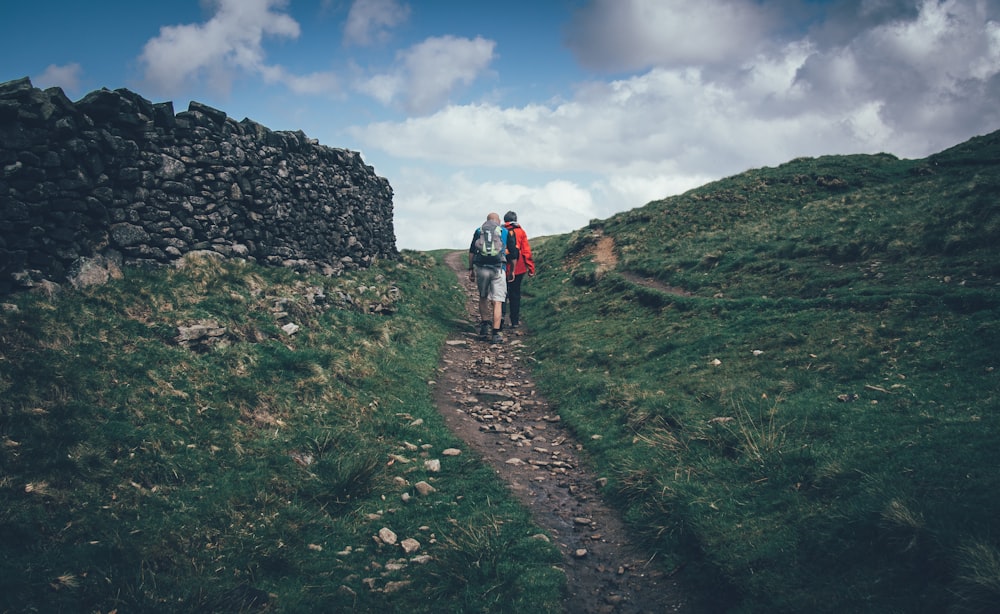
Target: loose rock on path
(487, 397)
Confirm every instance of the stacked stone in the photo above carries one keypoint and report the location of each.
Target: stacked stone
(117, 176)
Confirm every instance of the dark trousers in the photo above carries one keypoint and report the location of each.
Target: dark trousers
(514, 299)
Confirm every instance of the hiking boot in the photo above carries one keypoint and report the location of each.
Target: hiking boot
(484, 329)
(496, 338)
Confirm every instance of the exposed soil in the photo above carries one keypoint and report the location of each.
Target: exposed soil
(488, 398)
(606, 257)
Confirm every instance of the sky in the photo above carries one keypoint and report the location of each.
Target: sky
(564, 111)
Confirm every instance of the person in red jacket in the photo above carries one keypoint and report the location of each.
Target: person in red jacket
(515, 274)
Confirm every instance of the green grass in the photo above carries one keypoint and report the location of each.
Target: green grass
(813, 426)
(141, 475)
(810, 426)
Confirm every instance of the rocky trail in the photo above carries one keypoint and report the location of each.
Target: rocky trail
(487, 397)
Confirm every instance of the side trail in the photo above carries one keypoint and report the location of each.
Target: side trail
(487, 397)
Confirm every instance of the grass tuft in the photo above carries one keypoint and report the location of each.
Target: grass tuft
(977, 583)
(479, 569)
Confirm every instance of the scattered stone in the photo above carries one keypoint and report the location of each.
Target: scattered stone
(721, 420)
(94, 271)
(346, 590)
(580, 553)
(410, 545)
(387, 536)
(396, 586)
(201, 334)
(302, 459)
(424, 488)
(493, 392)
(451, 452)
(433, 465)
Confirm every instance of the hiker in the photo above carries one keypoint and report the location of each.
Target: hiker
(515, 272)
(492, 247)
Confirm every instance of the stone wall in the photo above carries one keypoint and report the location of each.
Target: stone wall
(118, 177)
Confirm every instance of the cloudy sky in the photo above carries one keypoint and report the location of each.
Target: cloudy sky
(562, 110)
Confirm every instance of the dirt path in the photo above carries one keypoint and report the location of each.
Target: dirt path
(605, 256)
(488, 398)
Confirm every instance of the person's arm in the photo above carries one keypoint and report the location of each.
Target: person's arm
(526, 254)
(472, 252)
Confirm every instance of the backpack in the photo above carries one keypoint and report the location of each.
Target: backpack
(517, 239)
(489, 244)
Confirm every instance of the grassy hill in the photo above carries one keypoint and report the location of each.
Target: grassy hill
(790, 376)
(170, 442)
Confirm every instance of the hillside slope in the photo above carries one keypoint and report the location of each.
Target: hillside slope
(790, 375)
(228, 437)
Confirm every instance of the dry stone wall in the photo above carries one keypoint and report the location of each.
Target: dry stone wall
(117, 177)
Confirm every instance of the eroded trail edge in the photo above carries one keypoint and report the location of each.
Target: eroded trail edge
(487, 397)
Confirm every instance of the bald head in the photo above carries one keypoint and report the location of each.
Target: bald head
(493, 217)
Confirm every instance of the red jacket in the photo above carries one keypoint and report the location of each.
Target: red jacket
(524, 264)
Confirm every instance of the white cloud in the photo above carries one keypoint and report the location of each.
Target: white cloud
(316, 83)
(549, 206)
(931, 76)
(906, 86)
(460, 204)
(723, 87)
(908, 73)
(665, 121)
(619, 35)
(66, 77)
(427, 74)
(369, 21)
(227, 46)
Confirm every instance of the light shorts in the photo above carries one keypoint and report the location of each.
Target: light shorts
(492, 283)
